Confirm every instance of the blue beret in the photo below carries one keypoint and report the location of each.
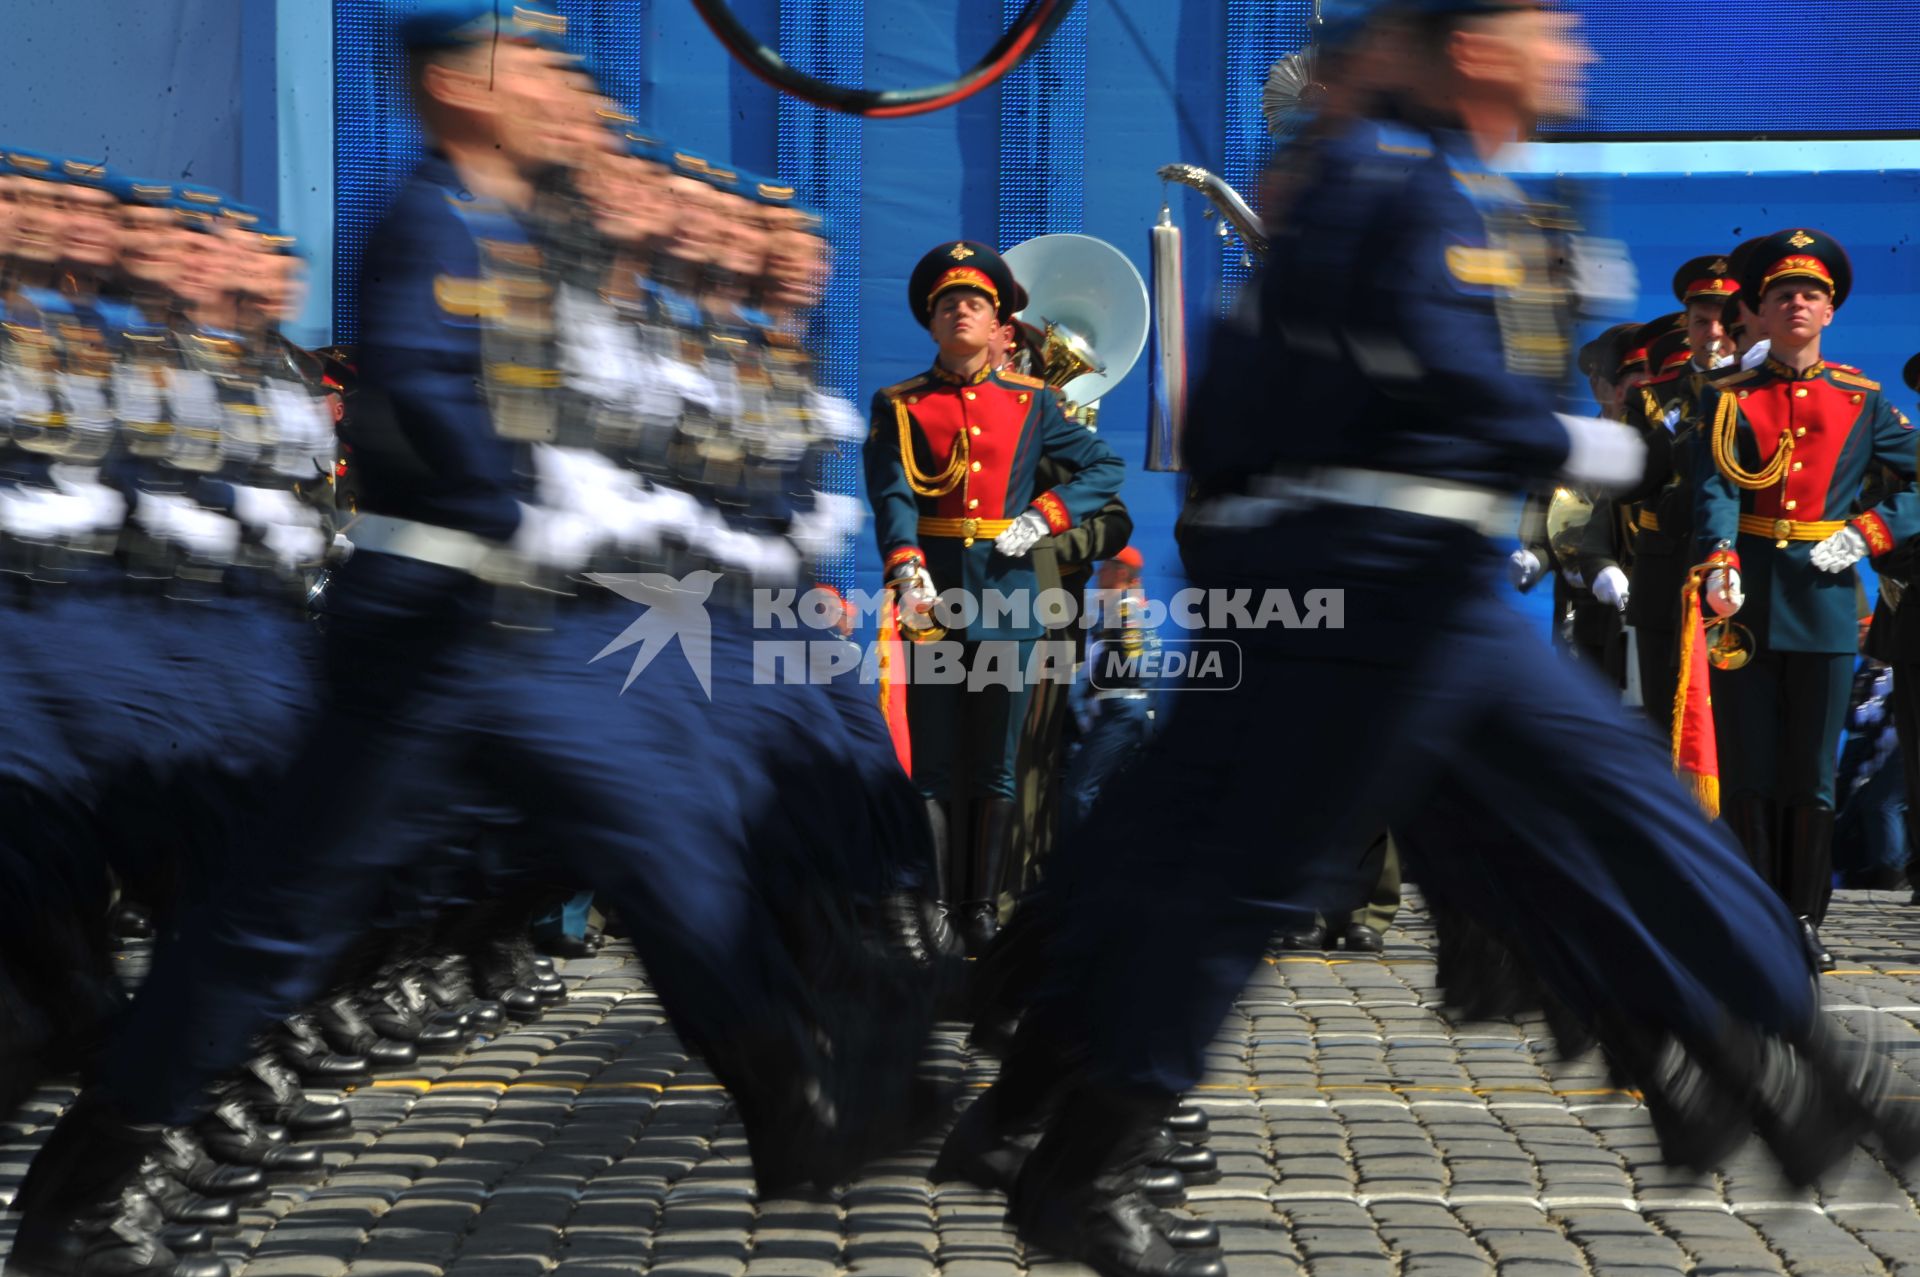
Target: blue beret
(722, 179)
(86, 173)
(441, 24)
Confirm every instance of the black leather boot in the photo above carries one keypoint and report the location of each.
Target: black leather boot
(83, 1209)
(1197, 1165)
(232, 1135)
(1806, 855)
(980, 915)
(182, 1156)
(1189, 1123)
(348, 1032)
(939, 924)
(180, 1204)
(273, 1093)
(298, 1042)
(1079, 1193)
(1753, 821)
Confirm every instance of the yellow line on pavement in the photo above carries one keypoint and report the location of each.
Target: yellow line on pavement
(1388, 1088)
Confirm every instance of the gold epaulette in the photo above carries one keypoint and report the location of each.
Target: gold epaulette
(1734, 379)
(910, 383)
(1852, 377)
(1021, 379)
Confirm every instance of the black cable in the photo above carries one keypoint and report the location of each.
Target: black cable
(1035, 24)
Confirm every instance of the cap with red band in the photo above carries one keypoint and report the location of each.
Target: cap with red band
(1798, 254)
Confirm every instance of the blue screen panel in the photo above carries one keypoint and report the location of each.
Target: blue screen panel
(1751, 68)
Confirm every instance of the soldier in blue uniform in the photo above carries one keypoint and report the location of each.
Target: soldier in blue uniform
(1780, 464)
(1401, 315)
(951, 459)
(426, 690)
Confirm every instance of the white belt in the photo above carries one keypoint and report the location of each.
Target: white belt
(428, 543)
(1488, 511)
(1117, 694)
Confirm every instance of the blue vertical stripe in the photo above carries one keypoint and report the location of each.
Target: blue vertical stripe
(820, 157)
(1043, 134)
(376, 138)
(1259, 34)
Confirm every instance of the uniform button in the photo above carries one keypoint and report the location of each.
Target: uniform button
(974, 429)
(1793, 505)
(976, 467)
(971, 395)
(1799, 431)
(974, 504)
(1743, 394)
(913, 399)
(1800, 392)
(1858, 398)
(1796, 467)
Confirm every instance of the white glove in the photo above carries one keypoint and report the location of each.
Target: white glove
(1523, 568)
(1840, 551)
(1724, 595)
(1603, 453)
(295, 546)
(106, 508)
(917, 597)
(555, 538)
(1026, 532)
(1610, 587)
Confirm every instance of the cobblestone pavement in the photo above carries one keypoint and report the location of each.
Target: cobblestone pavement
(1359, 1133)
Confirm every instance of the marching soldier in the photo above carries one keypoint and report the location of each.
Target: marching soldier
(1780, 465)
(951, 463)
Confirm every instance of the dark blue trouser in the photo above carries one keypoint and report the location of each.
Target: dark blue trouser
(1120, 730)
(1778, 723)
(1432, 687)
(630, 793)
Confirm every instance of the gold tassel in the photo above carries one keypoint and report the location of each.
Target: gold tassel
(1726, 455)
(1706, 792)
(919, 480)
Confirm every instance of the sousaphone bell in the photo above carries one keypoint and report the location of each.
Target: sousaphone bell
(1090, 304)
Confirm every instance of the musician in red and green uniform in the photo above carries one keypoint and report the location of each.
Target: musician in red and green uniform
(950, 467)
(1780, 466)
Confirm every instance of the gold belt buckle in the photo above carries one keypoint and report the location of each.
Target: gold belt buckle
(1782, 531)
(968, 527)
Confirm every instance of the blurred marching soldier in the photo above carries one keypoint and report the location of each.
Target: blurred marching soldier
(952, 463)
(1430, 385)
(460, 527)
(1781, 463)
(1895, 639)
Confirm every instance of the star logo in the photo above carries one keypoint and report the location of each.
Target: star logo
(1719, 266)
(1800, 239)
(960, 253)
(676, 608)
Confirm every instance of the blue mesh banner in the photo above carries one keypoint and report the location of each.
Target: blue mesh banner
(1043, 134)
(375, 138)
(1759, 67)
(820, 157)
(1259, 34)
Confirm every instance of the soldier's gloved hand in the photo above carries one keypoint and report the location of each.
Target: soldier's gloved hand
(1523, 568)
(1610, 587)
(1026, 532)
(1603, 454)
(917, 595)
(1840, 551)
(1724, 594)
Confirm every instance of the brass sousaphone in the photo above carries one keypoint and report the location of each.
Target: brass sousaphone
(1091, 305)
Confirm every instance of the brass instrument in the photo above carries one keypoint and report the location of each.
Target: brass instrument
(1568, 515)
(1233, 210)
(1092, 304)
(1730, 645)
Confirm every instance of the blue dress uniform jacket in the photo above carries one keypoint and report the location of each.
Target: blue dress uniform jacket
(990, 434)
(1425, 344)
(431, 453)
(1839, 425)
